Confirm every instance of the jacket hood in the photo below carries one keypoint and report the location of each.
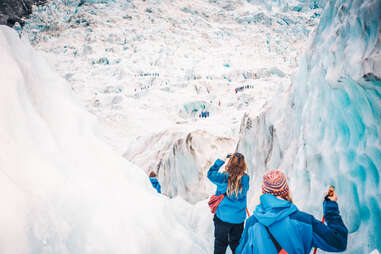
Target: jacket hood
(272, 209)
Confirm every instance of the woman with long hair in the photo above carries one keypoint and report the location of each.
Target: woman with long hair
(277, 225)
(231, 212)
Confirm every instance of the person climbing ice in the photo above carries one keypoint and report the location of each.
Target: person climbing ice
(230, 214)
(154, 181)
(277, 226)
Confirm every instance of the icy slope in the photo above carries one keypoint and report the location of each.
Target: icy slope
(326, 130)
(147, 69)
(181, 161)
(63, 190)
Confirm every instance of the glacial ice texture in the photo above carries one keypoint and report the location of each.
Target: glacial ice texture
(148, 69)
(203, 50)
(326, 130)
(65, 191)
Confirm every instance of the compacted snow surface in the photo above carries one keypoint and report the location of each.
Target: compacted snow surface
(64, 190)
(114, 82)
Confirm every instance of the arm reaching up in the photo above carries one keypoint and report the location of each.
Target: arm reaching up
(333, 236)
(214, 175)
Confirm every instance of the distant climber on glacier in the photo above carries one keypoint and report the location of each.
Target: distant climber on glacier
(154, 181)
(277, 225)
(230, 214)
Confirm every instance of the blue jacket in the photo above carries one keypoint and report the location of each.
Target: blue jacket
(232, 209)
(155, 184)
(297, 232)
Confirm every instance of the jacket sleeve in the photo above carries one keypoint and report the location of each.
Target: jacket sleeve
(333, 236)
(158, 188)
(214, 175)
(245, 235)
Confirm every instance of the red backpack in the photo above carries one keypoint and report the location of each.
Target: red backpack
(214, 201)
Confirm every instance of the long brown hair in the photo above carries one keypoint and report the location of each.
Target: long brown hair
(236, 168)
(152, 174)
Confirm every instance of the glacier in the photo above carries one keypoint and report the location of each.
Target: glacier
(64, 190)
(200, 53)
(144, 70)
(326, 129)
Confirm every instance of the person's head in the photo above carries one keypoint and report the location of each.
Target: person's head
(152, 174)
(275, 183)
(236, 168)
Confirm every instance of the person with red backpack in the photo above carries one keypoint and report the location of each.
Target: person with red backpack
(277, 226)
(229, 203)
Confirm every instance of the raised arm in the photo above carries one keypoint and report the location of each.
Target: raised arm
(333, 236)
(214, 175)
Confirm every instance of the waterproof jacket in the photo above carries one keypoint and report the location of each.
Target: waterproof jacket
(232, 209)
(155, 184)
(297, 232)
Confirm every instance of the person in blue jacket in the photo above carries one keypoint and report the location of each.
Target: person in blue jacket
(231, 212)
(155, 183)
(295, 231)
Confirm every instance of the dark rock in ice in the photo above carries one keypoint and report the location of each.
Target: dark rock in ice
(12, 11)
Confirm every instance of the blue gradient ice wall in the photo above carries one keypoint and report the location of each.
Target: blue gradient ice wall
(339, 101)
(327, 129)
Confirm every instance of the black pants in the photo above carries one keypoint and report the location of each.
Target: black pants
(226, 234)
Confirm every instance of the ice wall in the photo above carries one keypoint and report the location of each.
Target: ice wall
(64, 191)
(326, 130)
(181, 161)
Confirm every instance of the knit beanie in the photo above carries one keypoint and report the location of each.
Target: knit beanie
(275, 182)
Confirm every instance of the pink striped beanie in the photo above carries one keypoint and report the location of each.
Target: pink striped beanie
(275, 182)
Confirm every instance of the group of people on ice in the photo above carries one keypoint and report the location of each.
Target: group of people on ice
(276, 225)
(238, 89)
(204, 114)
(143, 88)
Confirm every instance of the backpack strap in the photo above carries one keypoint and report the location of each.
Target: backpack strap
(279, 248)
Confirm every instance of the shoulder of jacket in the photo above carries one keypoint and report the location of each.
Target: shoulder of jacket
(246, 177)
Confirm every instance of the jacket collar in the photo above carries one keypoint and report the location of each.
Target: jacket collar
(271, 209)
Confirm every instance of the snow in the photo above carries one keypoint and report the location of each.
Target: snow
(148, 75)
(64, 190)
(113, 89)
